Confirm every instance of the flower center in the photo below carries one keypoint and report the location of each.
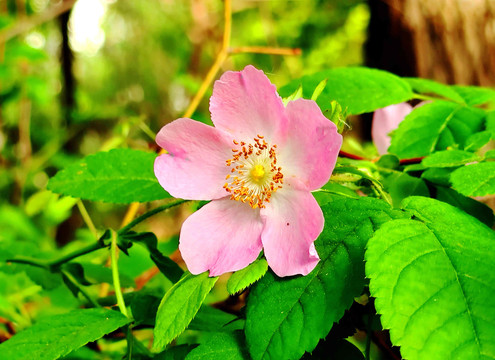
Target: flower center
(254, 172)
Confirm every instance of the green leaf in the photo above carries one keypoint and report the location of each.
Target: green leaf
(490, 154)
(490, 122)
(433, 282)
(174, 353)
(210, 319)
(449, 158)
(144, 307)
(475, 95)
(331, 349)
(474, 208)
(402, 185)
(475, 180)
(179, 306)
(358, 89)
(58, 335)
(243, 278)
(439, 176)
(388, 161)
(286, 317)
(225, 346)
(430, 87)
(478, 140)
(118, 176)
(435, 126)
(167, 266)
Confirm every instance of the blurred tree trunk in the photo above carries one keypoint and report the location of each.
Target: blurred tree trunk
(451, 41)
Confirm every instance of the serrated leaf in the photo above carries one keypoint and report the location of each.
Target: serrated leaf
(243, 278)
(474, 208)
(179, 306)
(430, 87)
(332, 349)
(477, 140)
(209, 319)
(475, 95)
(475, 180)
(433, 282)
(225, 346)
(439, 176)
(357, 89)
(118, 176)
(178, 352)
(402, 185)
(286, 317)
(435, 126)
(58, 335)
(449, 158)
(167, 266)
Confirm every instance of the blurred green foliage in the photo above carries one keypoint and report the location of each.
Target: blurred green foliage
(134, 66)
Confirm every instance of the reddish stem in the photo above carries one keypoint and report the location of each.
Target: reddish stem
(347, 155)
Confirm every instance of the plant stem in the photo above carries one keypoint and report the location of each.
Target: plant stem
(28, 261)
(54, 264)
(265, 50)
(87, 218)
(368, 336)
(74, 282)
(150, 213)
(115, 276)
(66, 258)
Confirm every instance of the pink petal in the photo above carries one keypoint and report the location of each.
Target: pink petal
(195, 166)
(222, 236)
(293, 220)
(246, 104)
(384, 121)
(311, 148)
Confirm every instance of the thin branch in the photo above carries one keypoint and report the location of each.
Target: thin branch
(156, 210)
(115, 276)
(265, 50)
(24, 26)
(81, 289)
(222, 55)
(87, 218)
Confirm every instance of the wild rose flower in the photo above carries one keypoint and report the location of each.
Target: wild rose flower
(258, 165)
(386, 120)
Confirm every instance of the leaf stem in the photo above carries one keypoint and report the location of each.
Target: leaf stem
(150, 213)
(66, 258)
(87, 218)
(368, 336)
(115, 275)
(28, 261)
(81, 289)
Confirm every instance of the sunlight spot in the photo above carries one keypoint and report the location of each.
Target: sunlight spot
(85, 27)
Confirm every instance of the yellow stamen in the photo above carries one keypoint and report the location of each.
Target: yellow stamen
(254, 172)
(258, 172)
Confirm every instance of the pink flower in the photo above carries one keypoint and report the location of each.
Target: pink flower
(384, 121)
(258, 165)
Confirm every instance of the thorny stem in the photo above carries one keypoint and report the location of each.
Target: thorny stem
(115, 276)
